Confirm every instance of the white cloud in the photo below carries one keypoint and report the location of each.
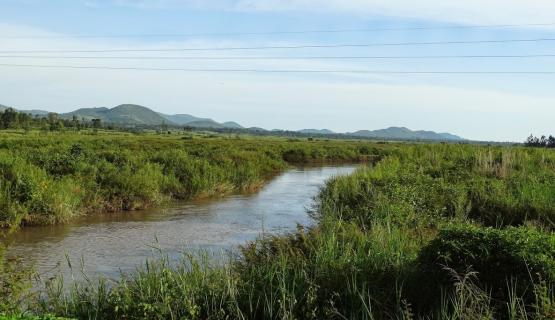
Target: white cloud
(467, 11)
(457, 11)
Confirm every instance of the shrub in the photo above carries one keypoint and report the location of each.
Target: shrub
(296, 155)
(522, 256)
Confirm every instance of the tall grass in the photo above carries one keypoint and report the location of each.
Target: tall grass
(430, 232)
(46, 179)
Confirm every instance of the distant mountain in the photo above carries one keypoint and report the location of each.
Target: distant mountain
(195, 122)
(33, 112)
(36, 112)
(402, 133)
(132, 114)
(181, 119)
(209, 123)
(232, 125)
(449, 136)
(123, 114)
(257, 129)
(316, 131)
(88, 113)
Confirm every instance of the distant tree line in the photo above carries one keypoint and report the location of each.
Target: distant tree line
(12, 119)
(541, 142)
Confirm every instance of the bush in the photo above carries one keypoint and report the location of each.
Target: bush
(296, 156)
(520, 256)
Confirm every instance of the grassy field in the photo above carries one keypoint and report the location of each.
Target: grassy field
(428, 232)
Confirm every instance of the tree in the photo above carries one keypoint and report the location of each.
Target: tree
(551, 142)
(541, 142)
(97, 123)
(530, 141)
(9, 119)
(75, 123)
(54, 122)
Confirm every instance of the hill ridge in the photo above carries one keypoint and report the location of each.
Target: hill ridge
(134, 114)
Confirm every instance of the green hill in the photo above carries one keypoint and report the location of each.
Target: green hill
(33, 112)
(402, 133)
(192, 121)
(209, 123)
(316, 131)
(88, 113)
(232, 125)
(131, 114)
(36, 112)
(181, 119)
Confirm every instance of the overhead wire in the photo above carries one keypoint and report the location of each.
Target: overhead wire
(282, 57)
(320, 46)
(246, 70)
(279, 32)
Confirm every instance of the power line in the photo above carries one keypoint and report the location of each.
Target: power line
(283, 57)
(279, 71)
(287, 47)
(175, 35)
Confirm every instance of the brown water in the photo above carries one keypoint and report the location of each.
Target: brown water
(109, 244)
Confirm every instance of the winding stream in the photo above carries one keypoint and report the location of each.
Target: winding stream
(109, 244)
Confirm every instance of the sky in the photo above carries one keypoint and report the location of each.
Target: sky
(499, 107)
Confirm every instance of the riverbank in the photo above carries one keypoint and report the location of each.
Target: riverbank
(50, 179)
(106, 245)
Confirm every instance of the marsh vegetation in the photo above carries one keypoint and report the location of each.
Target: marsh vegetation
(424, 231)
(47, 179)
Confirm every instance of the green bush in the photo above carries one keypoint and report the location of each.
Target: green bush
(296, 155)
(519, 257)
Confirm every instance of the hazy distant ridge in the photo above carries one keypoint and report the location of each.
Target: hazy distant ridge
(403, 133)
(122, 114)
(132, 114)
(316, 131)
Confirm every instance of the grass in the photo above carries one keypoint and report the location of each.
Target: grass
(430, 232)
(51, 178)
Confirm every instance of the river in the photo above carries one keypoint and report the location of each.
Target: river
(108, 244)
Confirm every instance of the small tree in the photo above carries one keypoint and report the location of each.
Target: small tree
(97, 123)
(9, 119)
(551, 142)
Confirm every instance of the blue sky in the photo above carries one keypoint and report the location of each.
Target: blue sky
(485, 107)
